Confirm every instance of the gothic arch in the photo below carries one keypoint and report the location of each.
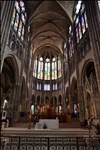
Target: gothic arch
(90, 90)
(9, 81)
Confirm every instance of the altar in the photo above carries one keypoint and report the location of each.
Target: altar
(49, 123)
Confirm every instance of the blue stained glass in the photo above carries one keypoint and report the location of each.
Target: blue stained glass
(16, 21)
(79, 28)
(77, 35)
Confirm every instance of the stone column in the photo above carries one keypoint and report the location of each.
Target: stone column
(79, 86)
(6, 17)
(69, 88)
(93, 18)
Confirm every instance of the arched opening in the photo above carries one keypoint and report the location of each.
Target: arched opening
(91, 94)
(9, 78)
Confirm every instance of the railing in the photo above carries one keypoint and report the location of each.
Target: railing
(50, 143)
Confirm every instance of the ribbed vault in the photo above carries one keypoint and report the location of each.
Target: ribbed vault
(49, 23)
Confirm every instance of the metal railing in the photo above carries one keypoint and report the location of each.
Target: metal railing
(50, 143)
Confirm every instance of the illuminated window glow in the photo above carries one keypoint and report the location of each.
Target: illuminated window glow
(52, 68)
(80, 21)
(46, 87)
(19, 18)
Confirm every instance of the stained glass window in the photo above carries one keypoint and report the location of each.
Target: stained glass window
(55, 86)
(71, 44)
(38, 86)
(23, 30)
(47, 69)
(23, 18)
(22, 5)
(54, 68)
(83, 24)
(79, 28)
(19, 18)
(35, 68)
(50, 68)
(59, 68)
(17, 6)
(80, 20)
(77, 34)
(47, 87)
(86, 23)
(16, 21)
(48, 76)
(78, 7)
(40, 68)
(20, 28)
(13, 18)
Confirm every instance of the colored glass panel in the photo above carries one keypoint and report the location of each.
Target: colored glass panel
(46, 71)
(83, 8)
(22, 5)
(48, 75)
(23, 18)
(53, 72)
(20, 28)
(77, 36)
(55, 69)
(35, 68)
(19, 18)
(17, 6)
(40, 70)
(23, 30)
(83, 24)
(79, 28)
(47, 87)
(78, 7)
(59, 68)
(16, 21)
(13, 18)
(85, 17)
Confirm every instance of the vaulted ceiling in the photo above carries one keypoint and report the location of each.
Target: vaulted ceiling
(49, 22)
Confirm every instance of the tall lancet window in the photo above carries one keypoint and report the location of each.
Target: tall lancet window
(54, 68)
(80, 19)
(19, 19)
(35, 68)
(40, 68)
(59, 68)
(47, 69)
(71, 44)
